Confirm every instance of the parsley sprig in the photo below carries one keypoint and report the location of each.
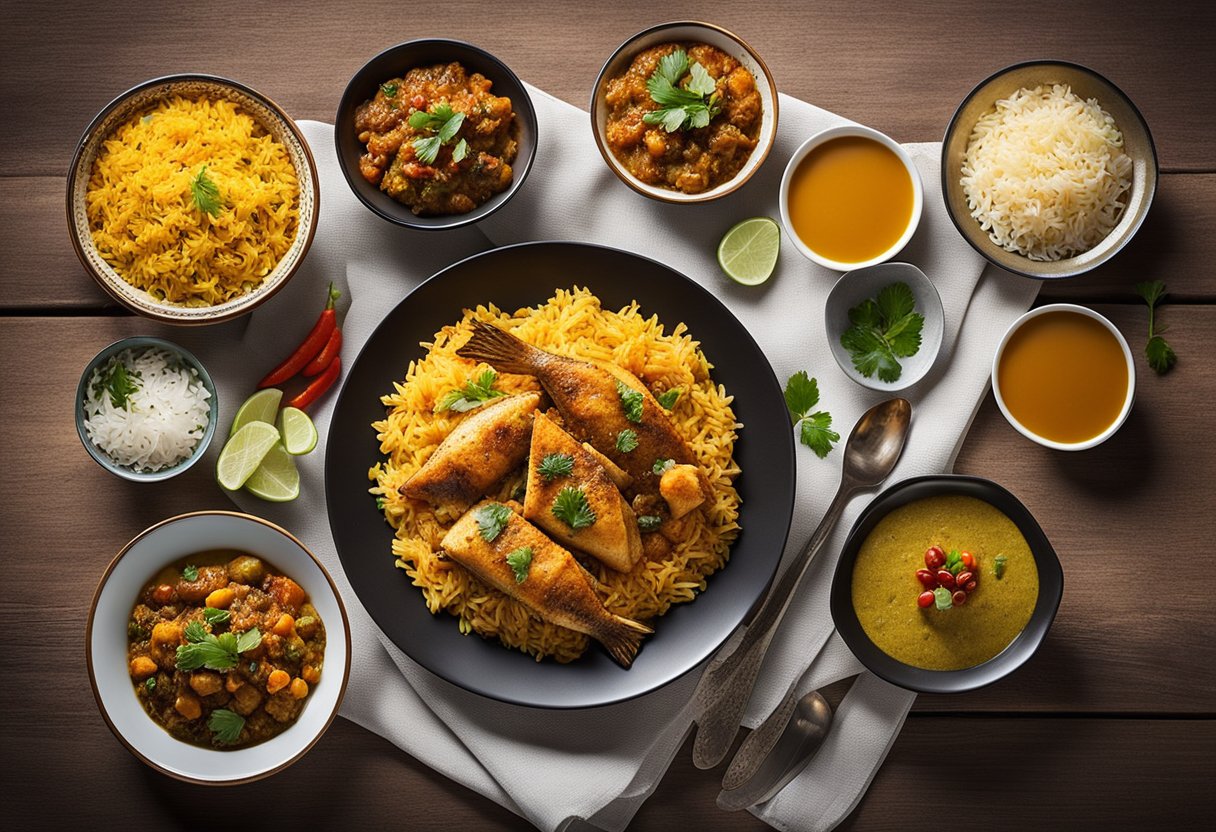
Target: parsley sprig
(631, 401)
(520, 561)
(1160, 354)
(572, 508)
(445, 123)
(476, 392)
(206, 193)
(556, 465)
(682, 107)
(492, 519)
(884, 330)
(801, 395)
(627, 441)
(204, 649)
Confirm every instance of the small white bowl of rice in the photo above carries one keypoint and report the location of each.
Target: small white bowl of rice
(1048, 169)
(145, 409)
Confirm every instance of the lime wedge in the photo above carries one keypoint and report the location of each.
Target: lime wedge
(244, 453)
(260, 407)
(276, 479)
(748, 252)
(298, 431)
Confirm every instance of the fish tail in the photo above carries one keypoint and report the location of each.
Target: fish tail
(500, 349)
(622, 637)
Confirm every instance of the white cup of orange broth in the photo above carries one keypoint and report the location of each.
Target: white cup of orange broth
(851, 197)
(1064, 376)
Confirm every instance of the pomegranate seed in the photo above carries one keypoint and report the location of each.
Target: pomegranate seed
(963, 578)
(924, 600)
(927, 578)
(968, 561)
(934, 557)
(946, 579)
(959, 598)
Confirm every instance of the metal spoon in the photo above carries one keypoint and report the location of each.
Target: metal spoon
(776, 752)
(871, 452)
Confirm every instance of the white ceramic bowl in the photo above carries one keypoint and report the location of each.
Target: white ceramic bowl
(687, 32)
(1127, 356)
(855, 287)
(106, 646)
(918, 195)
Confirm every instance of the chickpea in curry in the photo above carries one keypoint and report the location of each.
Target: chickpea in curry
(223, 651)
(691, 158)
(438, 140)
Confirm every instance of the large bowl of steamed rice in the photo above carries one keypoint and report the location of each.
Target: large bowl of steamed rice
(192, 199)
(145, 409)
(1048, 169)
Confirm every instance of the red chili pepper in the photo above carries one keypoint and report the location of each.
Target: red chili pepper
(311, 345)
(326, 356)
(319, 385)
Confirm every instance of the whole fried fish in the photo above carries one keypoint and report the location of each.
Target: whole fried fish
(596, 403)
(490, 538)
(613, 538)
(477, 454)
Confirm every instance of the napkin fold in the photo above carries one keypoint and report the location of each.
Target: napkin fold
(598, 766)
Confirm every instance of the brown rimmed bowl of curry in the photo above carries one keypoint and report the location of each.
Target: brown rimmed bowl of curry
(434, 134)
(684, 112)
(945, 584)
(218, 648)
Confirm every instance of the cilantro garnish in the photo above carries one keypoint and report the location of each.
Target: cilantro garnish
(190, 573)
(802, 394)
(556, 465)
(649, 522)
(492, 519)
(202, 649)
(520, 561)
(626, 440)
(631, 401)
(226, 724)
(662, 466)
(389, 89)
(689, 106)
(215, 616)
(119, 383)
(475, 393)
(206, 193)
(445, 123)
(669, 398)
(572, 508)
(1160, 355)
(884, 330)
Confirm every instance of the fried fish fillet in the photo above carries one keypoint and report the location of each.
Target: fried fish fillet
(593, 402)
(474, 457)
(613, 538)
(553, 584)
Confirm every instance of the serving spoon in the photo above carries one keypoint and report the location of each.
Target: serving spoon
(873, 448)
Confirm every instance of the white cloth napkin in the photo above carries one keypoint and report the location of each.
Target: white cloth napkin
(599, 765)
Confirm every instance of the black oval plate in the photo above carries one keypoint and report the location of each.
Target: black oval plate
(525, 275)
(1051, 587)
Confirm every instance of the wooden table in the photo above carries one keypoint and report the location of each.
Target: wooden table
(1109, 726)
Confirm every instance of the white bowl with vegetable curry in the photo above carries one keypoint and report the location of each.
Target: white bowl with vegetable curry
(684, 112)
(218, 648)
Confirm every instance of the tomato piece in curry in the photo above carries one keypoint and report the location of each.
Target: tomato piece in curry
(689, 160)
(223, 651)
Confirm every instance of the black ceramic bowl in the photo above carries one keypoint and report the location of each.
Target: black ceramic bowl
(393, 63)
(1051, 588)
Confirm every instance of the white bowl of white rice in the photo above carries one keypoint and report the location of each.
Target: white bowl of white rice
(1048, 169)
(145, 409)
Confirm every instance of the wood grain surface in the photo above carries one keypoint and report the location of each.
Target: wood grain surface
(1110, 726)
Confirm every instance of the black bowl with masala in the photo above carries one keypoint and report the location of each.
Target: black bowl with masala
(946, 647)
(414, 183)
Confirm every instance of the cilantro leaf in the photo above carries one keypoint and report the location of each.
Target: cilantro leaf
(662, 466)
(248, 640)
(445, 123)
(427, 149)
(556, 465)
(1161, 356)
(389, 90)
(572, 508)
(690, 106)
(476, 392)
(206, 194)
(884, 329)
(492, 519)
(801, 394)
(814, 429)
(195, 632)
(817, 433)
(520, 560)
(668, 398)
(631, 402)
(460, 151)
(649, 522)
(215, 616)
(190, 573)
(627, 441)
(226, 725)
(202, 649)
(118, 382)
(701, 83)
